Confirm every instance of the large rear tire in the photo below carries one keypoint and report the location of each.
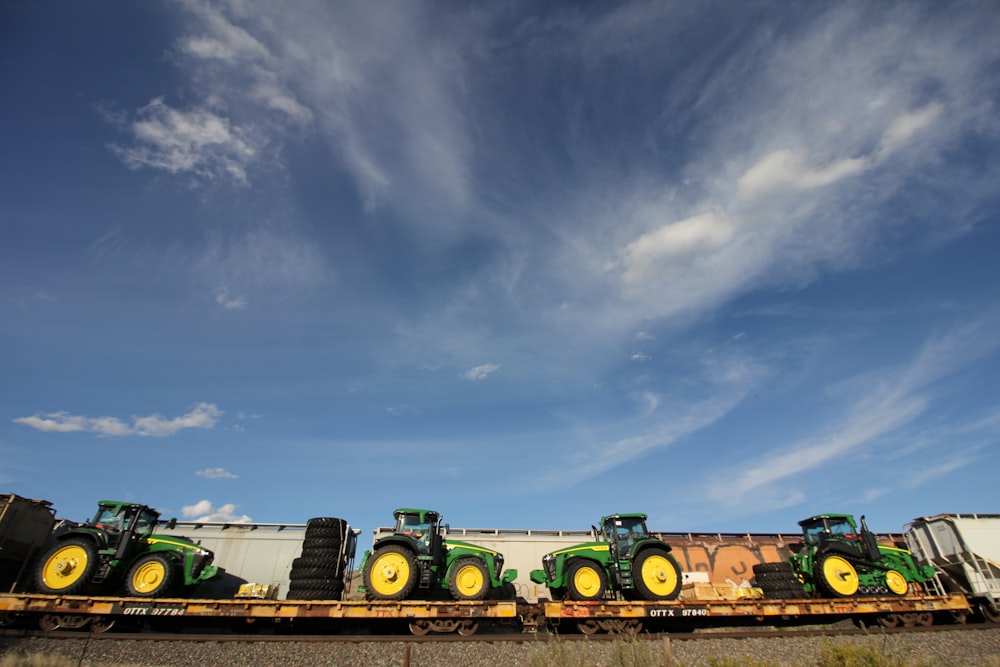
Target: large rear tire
(391, 573)
(837, 576)
(657, 575)
(67, 568)
(151, 576)
(586, 581)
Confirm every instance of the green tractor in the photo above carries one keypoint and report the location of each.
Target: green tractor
(626, 559)
(119, 543)
(840, 560)
(416, 555)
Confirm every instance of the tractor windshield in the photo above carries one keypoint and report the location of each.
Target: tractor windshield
(820, 530)
(107, 519)
(411, 526)
(629, 531)
(145, 523)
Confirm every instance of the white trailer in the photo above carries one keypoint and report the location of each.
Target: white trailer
(965, 551)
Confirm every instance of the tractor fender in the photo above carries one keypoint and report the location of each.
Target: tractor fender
(844, 550)
(99, 540)
(651, 544)
(395, 539)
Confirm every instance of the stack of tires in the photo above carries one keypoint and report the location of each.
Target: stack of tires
(318, 574)
(778, 581)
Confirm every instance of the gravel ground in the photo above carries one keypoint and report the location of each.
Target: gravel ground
(958, 648)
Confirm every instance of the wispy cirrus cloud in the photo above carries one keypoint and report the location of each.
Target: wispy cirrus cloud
(882, 404)
(197, 141)
(204, 416)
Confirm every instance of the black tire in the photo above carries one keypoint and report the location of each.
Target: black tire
(587, 571)
(313, 573)
(327, 531)
(317, 594)
(67, 568)
(326, 563)
(769, 568)
(671, 587)
(320, 553)
(388, 590)
(326, 522)
(327, 543)
(465, 584)
(151, 576)
(331, 585)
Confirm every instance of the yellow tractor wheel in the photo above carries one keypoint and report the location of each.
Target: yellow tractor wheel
(469, 579)
(896, 582)
(67, 568)
(837, 576)
(586, 580)
(658, 576)
(391, 573)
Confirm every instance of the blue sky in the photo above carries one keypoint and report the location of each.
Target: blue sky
(730, 264)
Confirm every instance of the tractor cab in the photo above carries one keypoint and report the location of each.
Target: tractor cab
(423, 527)
(819, 531)
(121, 524)
(623, 532)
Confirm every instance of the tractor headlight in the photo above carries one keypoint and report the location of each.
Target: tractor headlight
(549, 565)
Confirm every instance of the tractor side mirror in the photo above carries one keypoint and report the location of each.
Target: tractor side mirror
(172, 523)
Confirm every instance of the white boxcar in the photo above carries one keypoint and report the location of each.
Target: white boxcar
(257, 553)
(965, 550)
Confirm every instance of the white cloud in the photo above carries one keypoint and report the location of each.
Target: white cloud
(204, 511)
(216, 473)
(204, 415)
(197, 141)
(663, 250)
(789, 169)
(223, 298)
(481, 372)
(785, 168)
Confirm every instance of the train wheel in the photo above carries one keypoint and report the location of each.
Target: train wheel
(102, 624)
(896, 583)
(837, 576)
(659, 575)
(890, 621)
(150, 576)
(391, 573)
(49, 622)
(420, 628)
(586, 581)
(469, 579)
(467, 628)
(588, 627)
(67, 568)
(986, 609)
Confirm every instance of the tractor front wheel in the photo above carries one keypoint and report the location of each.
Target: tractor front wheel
(151, 576)
(837, 576)
(586, 581)
(469, 579)
(391, 573)
(657, 575)
(67, 568)
(896, 582)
